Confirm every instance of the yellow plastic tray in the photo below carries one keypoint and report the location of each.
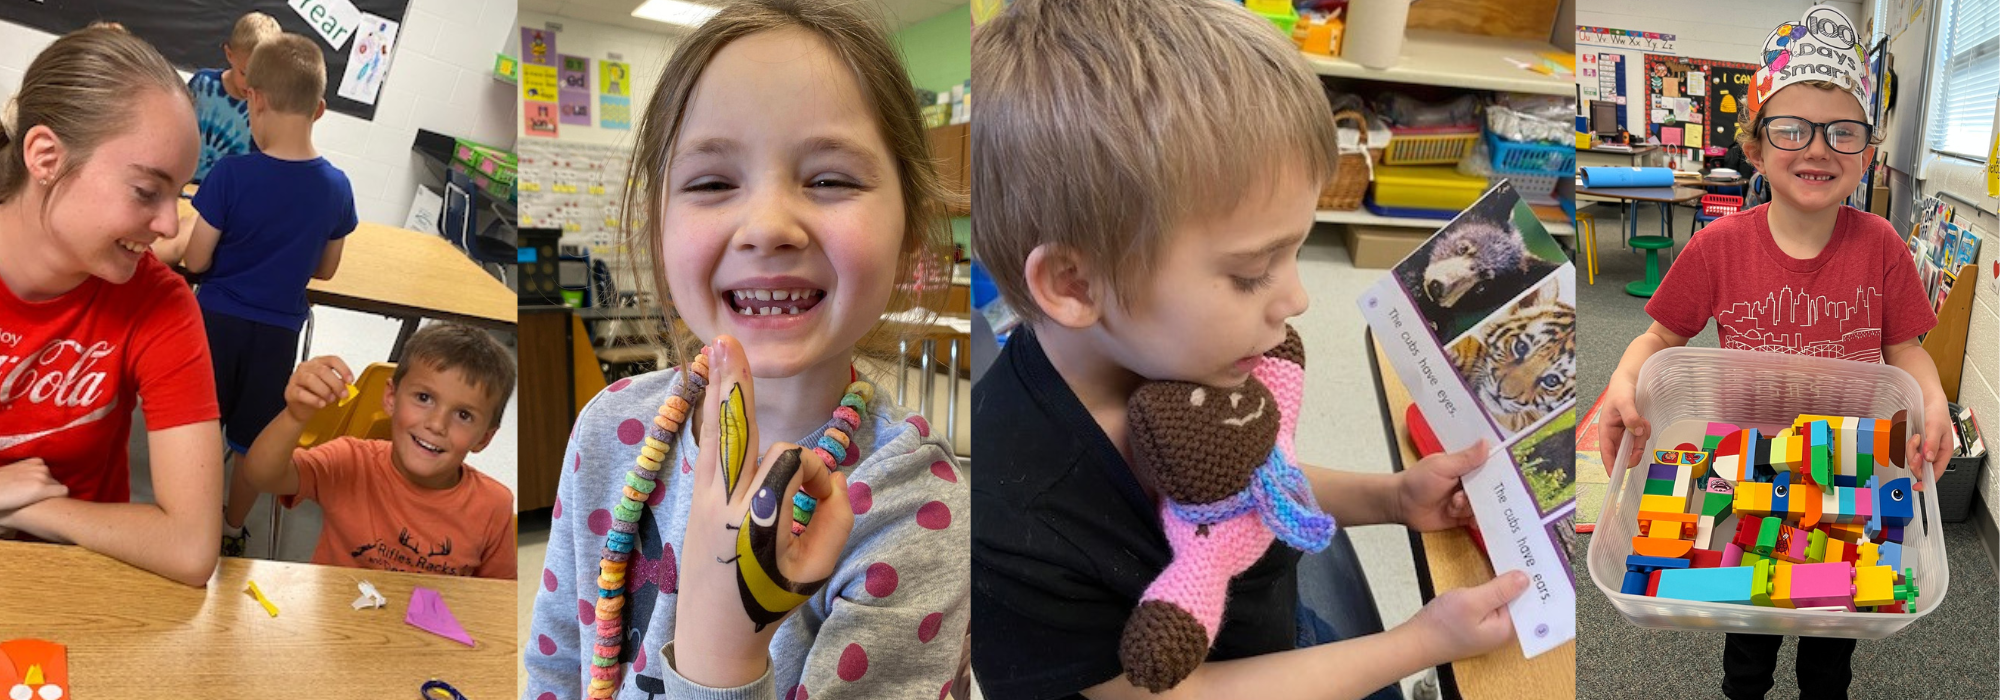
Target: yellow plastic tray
(1425, 187)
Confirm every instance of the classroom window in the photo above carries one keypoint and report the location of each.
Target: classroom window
(1968, 78)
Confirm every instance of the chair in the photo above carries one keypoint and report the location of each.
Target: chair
(1652, 245)
(1586, 229)
(461, 218)
(363, 417)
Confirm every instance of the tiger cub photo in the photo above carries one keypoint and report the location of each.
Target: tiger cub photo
(1521, 364)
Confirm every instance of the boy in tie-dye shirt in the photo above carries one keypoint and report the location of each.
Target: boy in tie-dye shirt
(221, 97)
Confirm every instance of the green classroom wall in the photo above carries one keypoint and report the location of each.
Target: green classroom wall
(938, 51)
(938, 54)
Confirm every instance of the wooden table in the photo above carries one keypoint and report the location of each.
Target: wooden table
(1449, 560)
(132, 634)
(408, 275)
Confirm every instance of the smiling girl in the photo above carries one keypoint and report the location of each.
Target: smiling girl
(99, 140)
(784, 186)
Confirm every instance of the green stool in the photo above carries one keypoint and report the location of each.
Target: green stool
(1652, 245)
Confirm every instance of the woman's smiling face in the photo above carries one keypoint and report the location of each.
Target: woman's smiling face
(784, 215)
(104, 216)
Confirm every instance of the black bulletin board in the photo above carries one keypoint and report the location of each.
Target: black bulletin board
(190, 33)
(1724, 87)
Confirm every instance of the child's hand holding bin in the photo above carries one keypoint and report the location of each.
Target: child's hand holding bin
(744, 571)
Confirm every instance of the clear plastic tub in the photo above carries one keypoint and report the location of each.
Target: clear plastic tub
(1765, 390)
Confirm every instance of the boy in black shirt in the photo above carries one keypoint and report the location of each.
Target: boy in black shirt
(1148, 173)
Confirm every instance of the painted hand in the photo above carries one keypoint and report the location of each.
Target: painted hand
(743, 571)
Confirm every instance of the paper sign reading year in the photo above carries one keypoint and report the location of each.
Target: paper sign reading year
(335, 20)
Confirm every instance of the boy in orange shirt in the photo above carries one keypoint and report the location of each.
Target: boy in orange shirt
(409, 503)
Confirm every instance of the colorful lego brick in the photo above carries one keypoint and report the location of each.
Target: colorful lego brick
(1662, 504)
(1735, 454)
(1717, 497)
(1792, 545)
(1732, 555)
(1662, 472)
(1659, 487)
(1653, 582)
(1832, 549)
(1704, 559)
(1822, 585)
(1714, 435)
(1762, 582)
(1850, 533)
(1637, 567)
(1661, 547)
(1781, 585)
(1890, 554)
(1718, 585)
(1747, 529)
(1816, 547)
(1868, 554)
(1874, 585)
(1704, 529)
(1769, 531)
(1802, 505)
(1697, 461)
(1781, 495)
(1906, 588)
(1895, 503)
(1818, 443)
(1752, 498)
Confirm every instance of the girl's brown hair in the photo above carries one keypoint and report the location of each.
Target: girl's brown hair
(858, 39)
(81, 87)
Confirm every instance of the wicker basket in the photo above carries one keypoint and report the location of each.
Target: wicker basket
(1353, 170)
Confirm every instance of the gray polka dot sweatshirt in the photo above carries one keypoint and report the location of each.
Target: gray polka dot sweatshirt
(888, 624)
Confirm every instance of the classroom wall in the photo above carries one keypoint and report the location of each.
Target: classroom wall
(440, 80)
(647, 53)
(938, 51)
(1718, 30)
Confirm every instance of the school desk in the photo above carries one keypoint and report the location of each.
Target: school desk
(132, 634)
(1449, 560)
(410, 276)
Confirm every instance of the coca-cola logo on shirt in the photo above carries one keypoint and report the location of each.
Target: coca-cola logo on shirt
(63, 373)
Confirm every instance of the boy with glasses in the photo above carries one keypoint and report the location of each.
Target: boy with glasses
(1802, 274)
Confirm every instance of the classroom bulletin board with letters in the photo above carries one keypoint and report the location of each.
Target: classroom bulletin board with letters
(1695, 102)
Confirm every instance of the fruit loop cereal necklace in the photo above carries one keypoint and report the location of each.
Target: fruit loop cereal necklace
(834, 446)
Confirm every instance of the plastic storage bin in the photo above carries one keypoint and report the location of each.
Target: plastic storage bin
(1764, 389)
(1531, 158)
(1426, 187)
(1720, 204)
(1442, 145)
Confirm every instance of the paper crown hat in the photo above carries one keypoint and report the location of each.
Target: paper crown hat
(1822, 46)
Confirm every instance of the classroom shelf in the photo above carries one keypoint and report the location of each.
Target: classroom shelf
(1363, 216)
(1457, 60)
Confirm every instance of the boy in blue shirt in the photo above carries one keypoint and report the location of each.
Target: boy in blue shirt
(267, 223)
(221, 97)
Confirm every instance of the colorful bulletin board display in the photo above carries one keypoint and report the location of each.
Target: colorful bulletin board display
(540, 85)
(1694, 102)
(574, 92)
(614, 107)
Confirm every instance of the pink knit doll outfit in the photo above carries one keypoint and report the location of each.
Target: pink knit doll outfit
(1199, 446)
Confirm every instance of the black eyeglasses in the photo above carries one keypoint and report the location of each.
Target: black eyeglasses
(1794, 134)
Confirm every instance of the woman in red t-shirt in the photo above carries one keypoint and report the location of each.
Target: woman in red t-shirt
(92, 158)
